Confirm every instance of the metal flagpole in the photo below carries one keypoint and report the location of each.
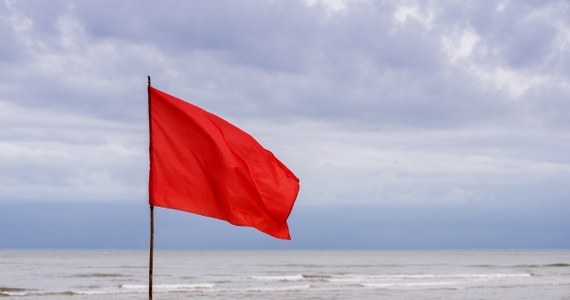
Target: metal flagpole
(151, 254)
(150, 267)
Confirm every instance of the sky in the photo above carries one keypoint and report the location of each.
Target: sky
(411, 124)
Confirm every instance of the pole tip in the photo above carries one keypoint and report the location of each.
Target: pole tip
(148, 77)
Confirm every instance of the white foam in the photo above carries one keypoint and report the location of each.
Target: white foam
(171, 287)
(366, 278)
(99, 292)
(295, 277)
(485, 276)
(134, 286)
(411, 284)
(14, 294)
(293, 288)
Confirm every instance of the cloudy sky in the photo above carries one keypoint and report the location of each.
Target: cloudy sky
(410, 123)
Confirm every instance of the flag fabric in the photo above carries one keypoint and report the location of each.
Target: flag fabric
(202, 164)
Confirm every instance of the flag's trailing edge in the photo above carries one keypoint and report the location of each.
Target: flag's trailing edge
(202, 164)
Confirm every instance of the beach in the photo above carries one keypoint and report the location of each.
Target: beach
(290, 274)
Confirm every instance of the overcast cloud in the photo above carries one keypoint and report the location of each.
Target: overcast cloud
(453, 103)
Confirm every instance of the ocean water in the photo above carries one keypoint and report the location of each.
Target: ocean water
(290, 274)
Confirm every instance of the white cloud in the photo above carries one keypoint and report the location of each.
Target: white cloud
(460, 44)
(465, 49)
(367, 102)
(49, 155)
(331, 7)
(514, 83)
(338, 165)
(423, 16)
(502, 5)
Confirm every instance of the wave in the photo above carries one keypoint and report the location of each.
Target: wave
(99, 275)
(359, 278)
(557, 265)
(293, 288)
(411, 284)
(294, 277)
(526, 266)
(205, 287)
(171, 287)
(318, 277)
(111, 290)
(554, 265)
(31, 292)
(11, 292)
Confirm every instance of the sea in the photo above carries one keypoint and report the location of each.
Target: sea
(285, 274)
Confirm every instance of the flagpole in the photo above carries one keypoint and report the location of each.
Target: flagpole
(151, 250)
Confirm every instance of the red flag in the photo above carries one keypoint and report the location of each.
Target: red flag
(202, 164)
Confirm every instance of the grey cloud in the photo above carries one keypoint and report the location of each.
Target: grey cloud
(358, 72)
(522, 34)
(548, 107)
(530, 44)
(11, 51)
(269, 35)
(41, 17)
(284, 58)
